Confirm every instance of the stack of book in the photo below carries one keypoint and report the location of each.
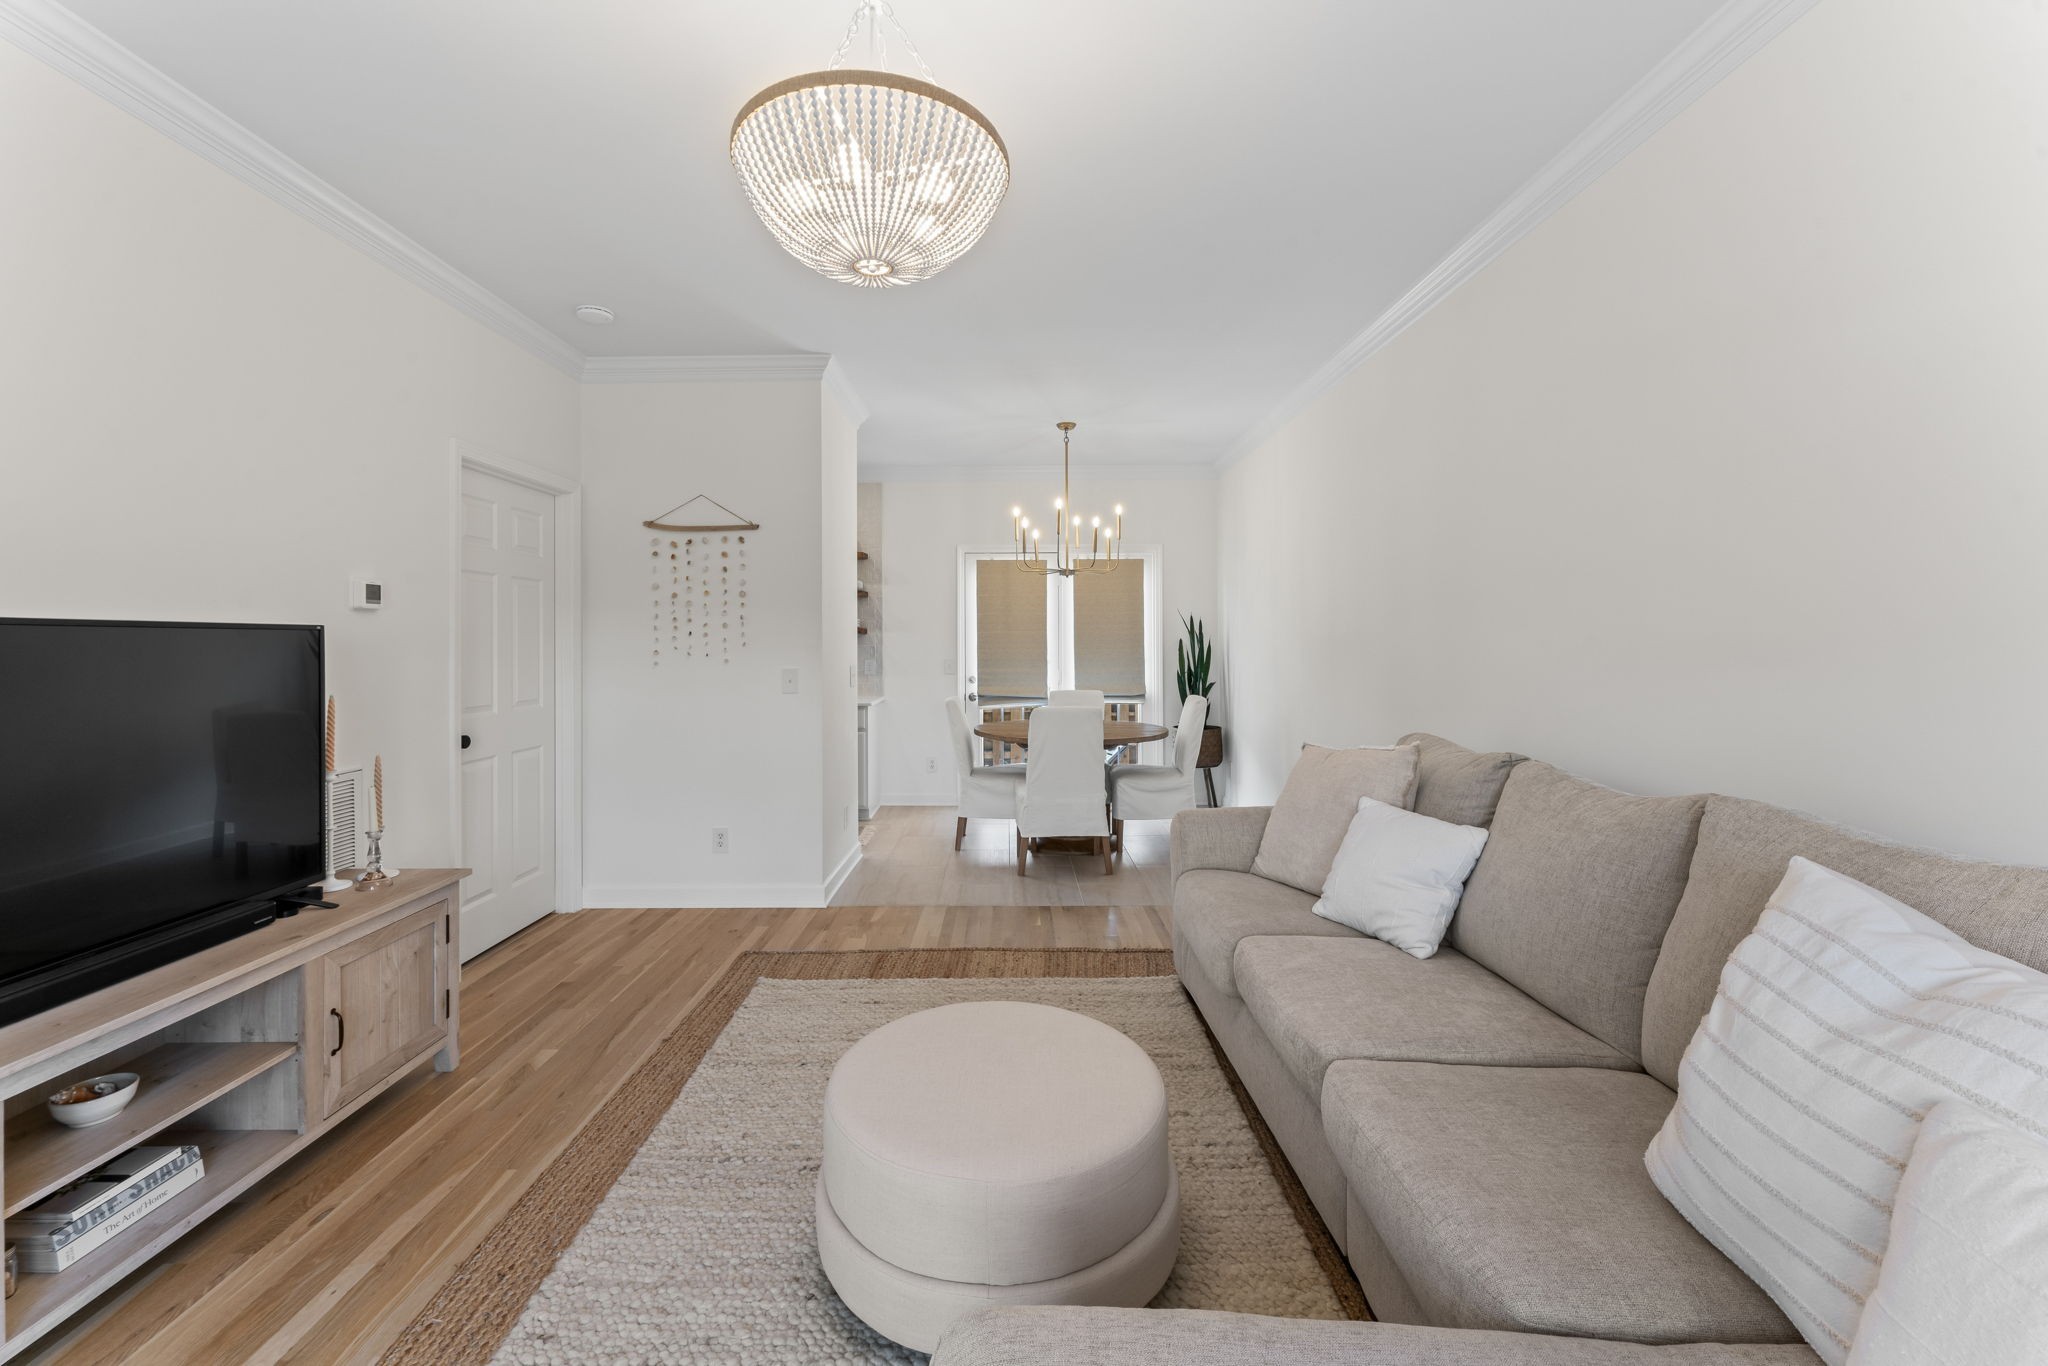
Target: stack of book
(55, 1232)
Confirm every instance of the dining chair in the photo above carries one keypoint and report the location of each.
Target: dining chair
(987, 791)
(1076, 697)
(1154, 792)
(1064, 793)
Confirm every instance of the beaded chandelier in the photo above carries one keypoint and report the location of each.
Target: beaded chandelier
(865, 176)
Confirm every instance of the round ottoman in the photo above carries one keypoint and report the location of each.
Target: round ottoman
(994, 1152)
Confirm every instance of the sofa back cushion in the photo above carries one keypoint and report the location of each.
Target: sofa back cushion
(1315, 808)
(1744, 848)
(1571, 899)
(1456, 784)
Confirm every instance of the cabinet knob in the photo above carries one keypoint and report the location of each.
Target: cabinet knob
(465, 742)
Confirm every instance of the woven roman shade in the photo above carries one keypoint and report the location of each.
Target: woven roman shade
(1109, 630)
(1009, 630)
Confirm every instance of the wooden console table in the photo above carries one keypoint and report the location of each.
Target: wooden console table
(248, 1050)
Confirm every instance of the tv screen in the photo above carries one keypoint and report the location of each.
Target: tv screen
(156, 779)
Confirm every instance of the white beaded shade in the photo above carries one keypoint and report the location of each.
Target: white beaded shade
(869, 177)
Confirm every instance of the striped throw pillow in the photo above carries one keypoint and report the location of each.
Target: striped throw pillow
(1839, 1022)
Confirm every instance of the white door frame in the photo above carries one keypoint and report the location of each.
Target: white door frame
(568, 496)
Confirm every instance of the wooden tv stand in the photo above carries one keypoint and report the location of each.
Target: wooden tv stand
(249, 1050)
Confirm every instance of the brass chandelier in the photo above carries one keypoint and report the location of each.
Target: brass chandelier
(1094, 549)
(865, 176)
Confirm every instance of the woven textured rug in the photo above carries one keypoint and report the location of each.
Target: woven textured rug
(677, 1226)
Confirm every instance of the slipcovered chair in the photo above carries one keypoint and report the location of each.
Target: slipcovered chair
(1064, 791)
(1076, 697)
(987, 792)
(1155, 792)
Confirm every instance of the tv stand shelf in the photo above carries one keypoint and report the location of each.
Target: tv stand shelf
(248, 1050)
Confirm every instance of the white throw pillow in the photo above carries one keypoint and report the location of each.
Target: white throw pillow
(1965, 1276)
(1398, 876)
(1839, 1022)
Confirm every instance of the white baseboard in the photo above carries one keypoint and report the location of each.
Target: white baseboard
(704, 896)
(920, 799)
(838, 876)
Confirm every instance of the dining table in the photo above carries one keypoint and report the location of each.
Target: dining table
(1115, 734)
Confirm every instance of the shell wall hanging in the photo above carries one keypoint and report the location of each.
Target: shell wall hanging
(698, 583)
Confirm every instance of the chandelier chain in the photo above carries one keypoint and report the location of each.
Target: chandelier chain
(873, 12)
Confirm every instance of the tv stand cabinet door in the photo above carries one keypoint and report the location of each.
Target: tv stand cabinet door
(384, 1001)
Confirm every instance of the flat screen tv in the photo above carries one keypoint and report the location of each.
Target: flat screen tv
(160, 786)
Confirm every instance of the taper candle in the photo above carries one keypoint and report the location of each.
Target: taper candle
(378, 783)
(329, 751)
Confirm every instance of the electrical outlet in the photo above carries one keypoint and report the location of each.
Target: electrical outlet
(931, 765)
(720, 843)
(789, 680)
(946, 668)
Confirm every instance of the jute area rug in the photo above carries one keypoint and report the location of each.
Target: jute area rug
(677, 1226)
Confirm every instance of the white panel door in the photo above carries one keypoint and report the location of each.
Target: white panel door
(508, 707)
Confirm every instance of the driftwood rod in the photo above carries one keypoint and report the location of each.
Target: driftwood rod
(727, 526)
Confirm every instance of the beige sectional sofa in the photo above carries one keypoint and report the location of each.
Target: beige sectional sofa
(1471, 1127)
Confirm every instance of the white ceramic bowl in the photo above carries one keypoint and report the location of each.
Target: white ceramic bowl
(111, 1094)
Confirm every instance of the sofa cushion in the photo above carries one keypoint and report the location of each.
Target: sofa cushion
(1571, 899)
(1515, 1198)
(1316, 805)
(1320, 1002)
(1070, 1335)
(1744, 848)
(1456, 784)
(1213, 909)
(1840, 1021)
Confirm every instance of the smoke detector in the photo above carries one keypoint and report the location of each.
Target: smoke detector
(594, 315)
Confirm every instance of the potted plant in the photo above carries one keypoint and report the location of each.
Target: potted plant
(1191, 676)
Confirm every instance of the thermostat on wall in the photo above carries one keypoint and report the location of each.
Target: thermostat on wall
(365, 595)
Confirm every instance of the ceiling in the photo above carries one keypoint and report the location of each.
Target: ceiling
(1209, 198)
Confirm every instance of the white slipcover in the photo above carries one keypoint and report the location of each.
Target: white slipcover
(1154, 792)
(987, 792)
(1064, 789)
(1077, 697)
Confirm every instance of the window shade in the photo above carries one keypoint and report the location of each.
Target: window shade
(1009, 630)
(1109, 630)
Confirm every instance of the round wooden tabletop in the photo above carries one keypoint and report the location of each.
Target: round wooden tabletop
(1113, 732)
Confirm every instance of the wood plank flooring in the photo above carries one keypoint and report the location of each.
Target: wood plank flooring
(331, 1256)
(908, 859)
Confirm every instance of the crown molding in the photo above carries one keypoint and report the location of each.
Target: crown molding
(1730, 37)
(701, 369)
(64, 41)
(1096, 473)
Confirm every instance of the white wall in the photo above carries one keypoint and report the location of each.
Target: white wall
(839, 620)
(215, 411)
(671, 753)
(1731, 476)
(924, 526)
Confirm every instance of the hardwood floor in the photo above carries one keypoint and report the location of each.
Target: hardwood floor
(908, 859)
(330, 1257)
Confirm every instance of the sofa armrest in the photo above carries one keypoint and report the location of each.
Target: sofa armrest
(1065, 1336)
(1225, 837)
